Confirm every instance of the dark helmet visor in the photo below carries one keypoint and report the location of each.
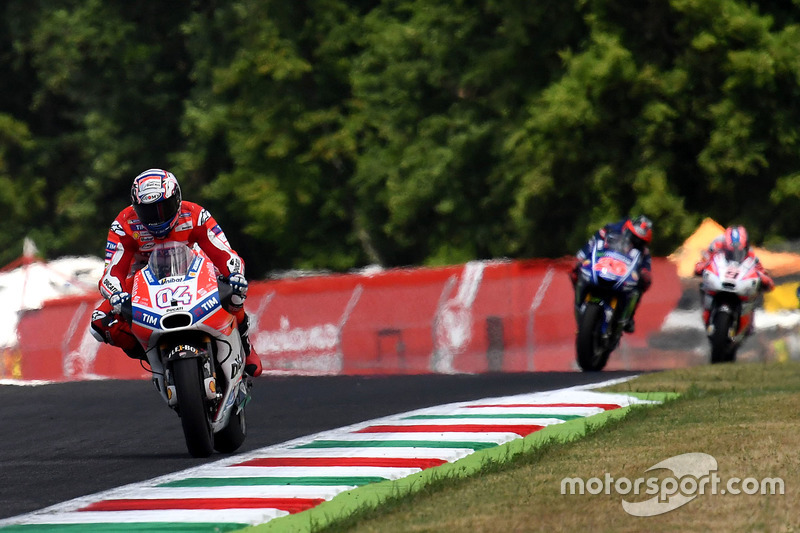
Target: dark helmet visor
(158, 214)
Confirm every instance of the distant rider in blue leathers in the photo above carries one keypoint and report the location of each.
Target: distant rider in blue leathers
(640, 232)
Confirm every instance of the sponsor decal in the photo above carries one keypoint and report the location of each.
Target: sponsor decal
(110, 249)
(287, 339)
(184, 226)
(149, 198)
(234, 265)
(117, 228)
(146, 185)
(145, 318)
(97, 315)
(205, 307)
(142, 236)
(204, 216)
(230, 400)
(151, 279)
(195, 267)
(454, 318)
(146, 247)
(109, 285)
(184, 348)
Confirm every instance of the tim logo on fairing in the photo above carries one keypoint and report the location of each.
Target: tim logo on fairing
(205, 307)
(145, 318)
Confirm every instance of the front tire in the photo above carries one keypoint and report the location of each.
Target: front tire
(721, 349)
(192, 407)
(592, 354)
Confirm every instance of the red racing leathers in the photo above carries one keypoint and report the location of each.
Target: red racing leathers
(718, 245)
(128, 249)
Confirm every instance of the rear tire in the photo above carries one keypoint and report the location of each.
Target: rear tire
(721, 350)
(192, 407)
(231, 437)
(592, 355)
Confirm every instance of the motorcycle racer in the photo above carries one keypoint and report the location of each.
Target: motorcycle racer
(158, 213)
(640, 232)
(734, 243)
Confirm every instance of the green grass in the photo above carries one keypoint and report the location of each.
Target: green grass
(747, 416)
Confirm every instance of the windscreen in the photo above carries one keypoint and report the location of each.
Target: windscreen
(170, 259)
(619, 243)
(735, 255)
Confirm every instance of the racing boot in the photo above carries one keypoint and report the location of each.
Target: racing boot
(125, 340)
(252, 363)
(105, 327)
(630, 325)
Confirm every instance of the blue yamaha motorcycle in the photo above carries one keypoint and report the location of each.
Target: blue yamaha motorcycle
(606, 296)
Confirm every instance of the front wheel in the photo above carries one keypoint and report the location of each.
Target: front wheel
(722, 350)
(192, 407)
(592, 353)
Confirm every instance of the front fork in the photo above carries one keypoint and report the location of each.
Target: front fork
(165, 382)
(737, 321)
(610, 309)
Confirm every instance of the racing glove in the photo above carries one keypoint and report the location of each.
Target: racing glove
(239, 285)
(699, 267)
(117, 300)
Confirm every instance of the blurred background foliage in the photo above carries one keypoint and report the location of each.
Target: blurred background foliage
(333, 134)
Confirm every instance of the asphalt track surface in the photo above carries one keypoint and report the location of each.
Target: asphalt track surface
(65, 440)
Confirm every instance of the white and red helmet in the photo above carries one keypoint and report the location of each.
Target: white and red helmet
(156, 198)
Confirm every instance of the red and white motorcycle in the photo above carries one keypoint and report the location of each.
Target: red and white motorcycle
(730, 287)
(177, 312)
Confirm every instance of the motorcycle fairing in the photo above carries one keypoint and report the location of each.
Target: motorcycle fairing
(178, 295)
(733, 289)
(611, 274)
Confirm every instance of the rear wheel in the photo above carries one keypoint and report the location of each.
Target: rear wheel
(192, 407)
(231, 437)
(721, 349)
(592, 354)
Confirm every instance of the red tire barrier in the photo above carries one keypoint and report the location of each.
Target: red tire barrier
(492, 316)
